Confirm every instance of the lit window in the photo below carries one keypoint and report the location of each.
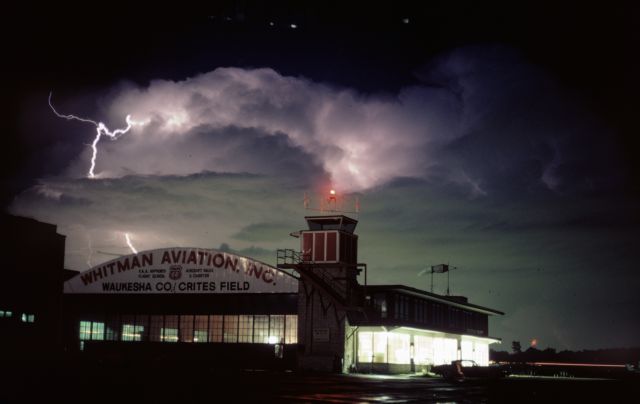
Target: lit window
(89, 330)
(261, 329)
(27, 318)
(466, 350)
(215, 328)
(380, 347)
(230, 329)
(186, 328)
(97, 331)
(131, 332)
(372, 347)
(451, 349)
(481, 353)
(128, 333)
(445, 350)
(200, 336)
(291, 329)
(170, 329)
(85, 330)
(200, 332)
(276, 329)
(398, 346)
(170, 334)
(245, 329)
(126, 327)
(423, 350)
(365, 347)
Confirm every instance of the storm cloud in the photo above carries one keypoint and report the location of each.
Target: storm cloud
(483, 119)
(241, 120)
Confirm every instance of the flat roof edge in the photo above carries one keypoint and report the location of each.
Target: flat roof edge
(440, 298)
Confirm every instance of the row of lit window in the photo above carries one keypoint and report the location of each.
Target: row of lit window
(391, 347)
(24, 317)
(260, 329)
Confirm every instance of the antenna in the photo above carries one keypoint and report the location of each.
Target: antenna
(448, 273)
(440, 269)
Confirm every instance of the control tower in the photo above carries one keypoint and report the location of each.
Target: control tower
(327, 264)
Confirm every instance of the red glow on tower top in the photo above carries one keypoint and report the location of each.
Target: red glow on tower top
(332, 195)
(329, 200)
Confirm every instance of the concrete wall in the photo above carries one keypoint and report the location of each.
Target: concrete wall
(321, 330)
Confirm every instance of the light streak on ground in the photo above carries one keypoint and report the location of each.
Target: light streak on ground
(126, 236)
(101, 129)
(596, 365)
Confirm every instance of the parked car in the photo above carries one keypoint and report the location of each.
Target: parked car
(461, 369)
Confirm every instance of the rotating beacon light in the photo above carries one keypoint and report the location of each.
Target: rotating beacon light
(328, 200)
(332, 199)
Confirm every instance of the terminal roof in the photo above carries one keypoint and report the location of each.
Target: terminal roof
(455, 301)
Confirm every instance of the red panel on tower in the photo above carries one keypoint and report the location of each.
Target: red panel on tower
(332, 241)
(318, 247)
(307, 246)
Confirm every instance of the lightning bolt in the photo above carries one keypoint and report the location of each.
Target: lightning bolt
(126, 236)
(101, 129)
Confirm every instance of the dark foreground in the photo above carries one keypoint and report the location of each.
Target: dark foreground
(183, 383)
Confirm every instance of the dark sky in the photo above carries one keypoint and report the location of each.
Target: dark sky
(499, 138)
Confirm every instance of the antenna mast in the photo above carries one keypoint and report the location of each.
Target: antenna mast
(440, 269)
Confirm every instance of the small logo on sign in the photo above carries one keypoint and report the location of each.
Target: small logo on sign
(175, 272)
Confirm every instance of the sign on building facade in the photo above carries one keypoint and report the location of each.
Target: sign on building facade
(182, 270)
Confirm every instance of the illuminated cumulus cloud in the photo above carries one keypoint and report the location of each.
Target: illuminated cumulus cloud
(258, 121)
(481, 120)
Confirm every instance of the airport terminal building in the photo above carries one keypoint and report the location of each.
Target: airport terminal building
(308, 312)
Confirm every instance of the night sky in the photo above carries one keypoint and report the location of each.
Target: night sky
(500, 140)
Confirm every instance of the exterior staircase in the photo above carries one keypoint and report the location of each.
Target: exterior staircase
(319, 276)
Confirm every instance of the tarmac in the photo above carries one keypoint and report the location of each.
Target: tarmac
(184, 383)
